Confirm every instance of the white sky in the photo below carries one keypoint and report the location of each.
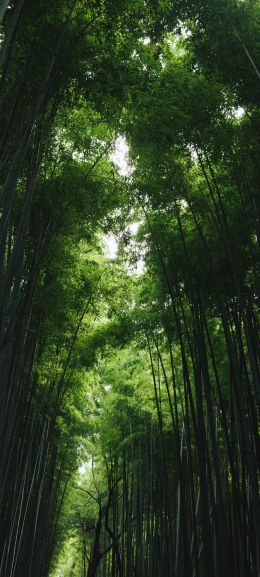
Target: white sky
(111, 249)
(119, 157)
(239, 112)
(85, 467)
(146, 40)
(111, 246)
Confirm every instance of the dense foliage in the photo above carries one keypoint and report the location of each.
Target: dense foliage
(129, 402)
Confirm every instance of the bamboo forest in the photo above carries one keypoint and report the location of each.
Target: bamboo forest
(129, 288)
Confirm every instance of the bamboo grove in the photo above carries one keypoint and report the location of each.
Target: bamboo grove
(129, 403)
